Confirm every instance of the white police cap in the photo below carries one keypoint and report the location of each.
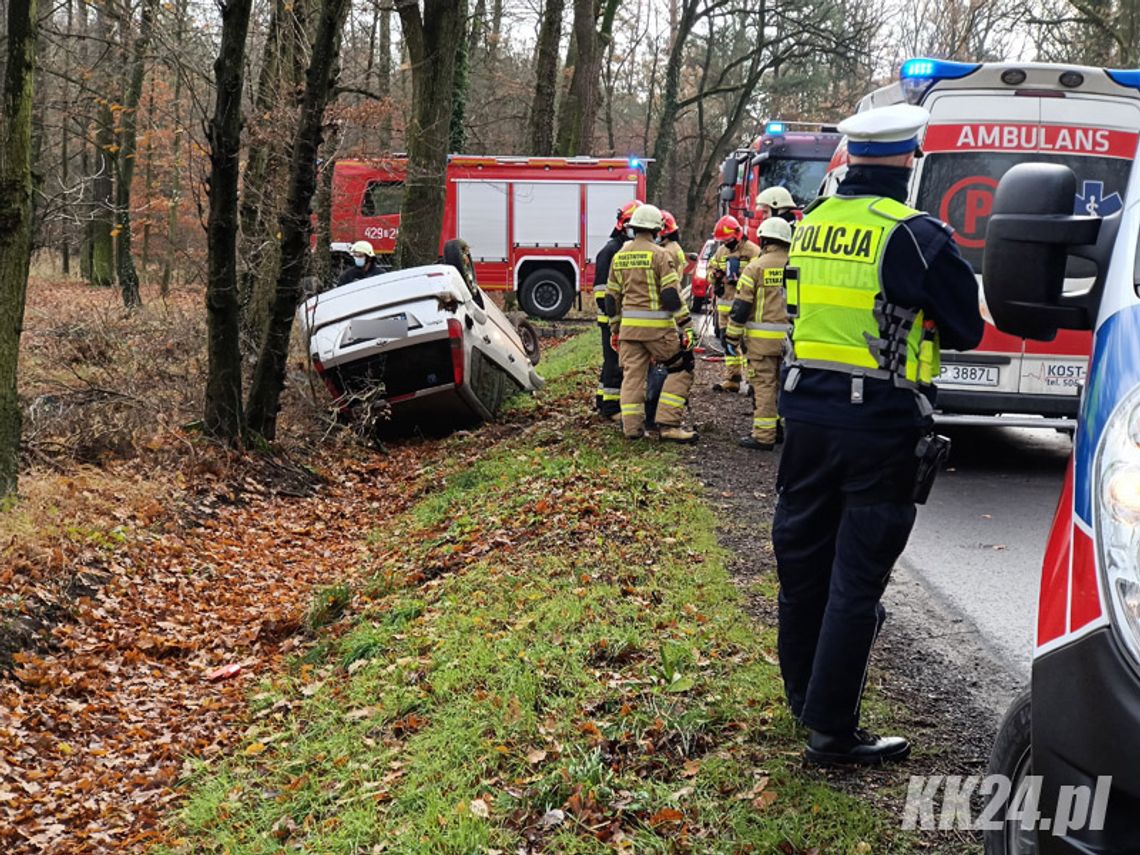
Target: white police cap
(884, 131)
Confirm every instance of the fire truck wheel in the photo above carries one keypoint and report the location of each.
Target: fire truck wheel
(546, 294)
(1011, 758)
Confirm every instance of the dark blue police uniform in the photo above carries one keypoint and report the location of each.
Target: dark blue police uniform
(845, 507)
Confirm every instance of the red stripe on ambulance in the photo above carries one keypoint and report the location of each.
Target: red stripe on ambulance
(1053, 600)
(1003, 136)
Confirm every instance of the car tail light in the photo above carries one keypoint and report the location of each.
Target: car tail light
(455, 333)
(1117, 514)
(327, 379)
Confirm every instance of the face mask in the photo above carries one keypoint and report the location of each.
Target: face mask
(731, 244)
(359, 260)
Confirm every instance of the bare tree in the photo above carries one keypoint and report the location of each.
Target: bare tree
(295, 222)
(223, 407)
(431, 41)
(15, 222)
(541, 125)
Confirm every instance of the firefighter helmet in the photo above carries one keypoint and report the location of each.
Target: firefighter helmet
(646, 217)
(625, 212)
(668, 223)
(776, 198)
(775, 228)
(728, 228)
(363, 247)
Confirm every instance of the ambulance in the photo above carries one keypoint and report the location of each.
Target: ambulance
(986, 118)
(1065, 767)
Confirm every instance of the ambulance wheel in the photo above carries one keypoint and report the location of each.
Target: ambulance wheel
(546, 293)
(1011, 757)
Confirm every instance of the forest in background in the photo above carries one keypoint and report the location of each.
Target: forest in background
(175, 143)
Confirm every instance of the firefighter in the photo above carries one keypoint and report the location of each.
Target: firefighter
(874, 287)
(734, 252)
(607, 401)
(670, 238)
(650, 323)
(363, 263)
(777, 202)
(760, 316)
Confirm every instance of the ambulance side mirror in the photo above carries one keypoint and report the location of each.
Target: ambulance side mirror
(1029, 239)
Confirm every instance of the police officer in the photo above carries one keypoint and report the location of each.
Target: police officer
(874, 287)
(609, 383)
(650, 323)
(760, 316)
(776, 202)
(734, 252)
(363, 263)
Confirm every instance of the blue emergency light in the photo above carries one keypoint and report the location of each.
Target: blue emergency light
(774, 128)
(917, 75)
(1129, 77)
(936, 69)
(634, 162)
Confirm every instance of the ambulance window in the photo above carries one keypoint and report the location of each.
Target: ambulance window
(958, 188)
(382, 198)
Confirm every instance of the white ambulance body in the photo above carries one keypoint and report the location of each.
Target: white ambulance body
(985, 118)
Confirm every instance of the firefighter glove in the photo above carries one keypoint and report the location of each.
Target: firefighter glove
(688, 338)
(614, 341)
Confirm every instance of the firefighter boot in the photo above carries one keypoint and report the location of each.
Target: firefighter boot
(676, 433)
(755, 444)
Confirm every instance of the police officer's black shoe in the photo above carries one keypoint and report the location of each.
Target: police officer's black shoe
(755, 444)
(859, 748)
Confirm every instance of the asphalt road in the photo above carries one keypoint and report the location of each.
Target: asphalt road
(979, 541)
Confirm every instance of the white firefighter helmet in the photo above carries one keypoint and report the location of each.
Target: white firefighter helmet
(647, 217)
(775, 228)
(776, 198)
(363, 247)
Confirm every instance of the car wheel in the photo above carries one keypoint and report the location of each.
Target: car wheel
(1011, 757)
(546, 294)
(529, 336)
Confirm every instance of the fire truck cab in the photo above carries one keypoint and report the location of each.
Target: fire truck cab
(985, 119)
(794, 155)
(534, 225)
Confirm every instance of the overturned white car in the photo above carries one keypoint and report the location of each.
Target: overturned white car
(425, 342)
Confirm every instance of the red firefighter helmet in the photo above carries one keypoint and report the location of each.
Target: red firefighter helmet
(669, 223)
(728, 228)
(625, 212)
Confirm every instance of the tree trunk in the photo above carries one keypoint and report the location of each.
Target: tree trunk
(546, 80)
(576, 119)
(457, 133)
(15, 223)
(172, 234)
(663, 147)
(322, 256)
(103, 184)
(125, 157)
(269, 373)
(263, 186)
(431, 44)
(384, 80)
(223, 409)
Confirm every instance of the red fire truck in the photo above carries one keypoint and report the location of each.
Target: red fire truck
(534, 225)
(984, 119)
(794, 155)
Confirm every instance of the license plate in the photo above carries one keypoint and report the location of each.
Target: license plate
(958, 374)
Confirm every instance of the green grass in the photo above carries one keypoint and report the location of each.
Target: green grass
(558, 632)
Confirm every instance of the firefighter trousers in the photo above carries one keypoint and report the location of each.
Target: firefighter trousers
(843, 516)
(765, 379)
(636, 357)
(609, 383)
